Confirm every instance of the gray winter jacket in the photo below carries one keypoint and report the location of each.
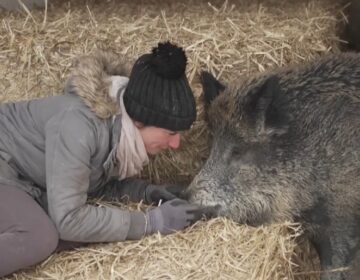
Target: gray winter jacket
(60, 150)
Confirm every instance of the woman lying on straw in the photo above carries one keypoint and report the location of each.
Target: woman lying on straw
(57, 152)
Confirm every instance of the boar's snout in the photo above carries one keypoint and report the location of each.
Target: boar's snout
(201, 192)
(211, 211)
(192, 193)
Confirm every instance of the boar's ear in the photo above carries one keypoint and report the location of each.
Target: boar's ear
(261, 105)
(211, 87)
(259, 98)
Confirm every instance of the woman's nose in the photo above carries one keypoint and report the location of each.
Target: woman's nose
(174, 141)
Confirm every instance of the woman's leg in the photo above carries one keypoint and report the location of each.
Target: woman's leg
(69, 245)
(27, 235)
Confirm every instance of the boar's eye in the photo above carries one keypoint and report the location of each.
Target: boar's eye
(243, 156)
(237, 152)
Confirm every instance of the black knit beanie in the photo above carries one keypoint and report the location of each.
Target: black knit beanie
(158, 93)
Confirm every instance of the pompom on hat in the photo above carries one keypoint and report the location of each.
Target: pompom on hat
(158, 93)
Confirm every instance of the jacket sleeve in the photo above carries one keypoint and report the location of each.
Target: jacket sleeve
(130, 189)
(70, 142)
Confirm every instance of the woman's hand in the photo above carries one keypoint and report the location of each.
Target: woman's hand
(156, 193)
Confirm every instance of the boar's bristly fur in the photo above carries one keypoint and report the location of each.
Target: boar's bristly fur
(286, 146)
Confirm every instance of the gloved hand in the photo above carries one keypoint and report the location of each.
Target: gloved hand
(135, 190)
(171, 216)
(153, 193)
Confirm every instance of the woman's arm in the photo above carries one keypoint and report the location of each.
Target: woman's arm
(70, 142)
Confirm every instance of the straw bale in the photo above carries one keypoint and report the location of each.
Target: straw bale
(229, 38)
(214, 250)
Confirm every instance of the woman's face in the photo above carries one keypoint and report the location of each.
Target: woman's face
(158, 139)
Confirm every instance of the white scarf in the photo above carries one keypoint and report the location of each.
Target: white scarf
(131, 153)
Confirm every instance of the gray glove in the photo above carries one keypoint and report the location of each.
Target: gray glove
(171, 216)
(134, 189)
(155, 193)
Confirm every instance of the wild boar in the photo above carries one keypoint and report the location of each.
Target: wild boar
(286, 146)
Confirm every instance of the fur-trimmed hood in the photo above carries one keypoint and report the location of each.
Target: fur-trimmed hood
(90, 79)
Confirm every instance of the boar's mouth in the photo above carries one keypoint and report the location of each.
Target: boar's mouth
(210, 212)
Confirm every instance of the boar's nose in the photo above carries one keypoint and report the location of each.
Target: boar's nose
(186, 194)
(193, 189)
(198, 184)
(211, 211)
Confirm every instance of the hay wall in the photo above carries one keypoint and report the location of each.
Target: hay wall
(229, 38)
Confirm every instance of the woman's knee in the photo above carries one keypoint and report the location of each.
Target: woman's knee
(28, 236)
(25, 245)
(45, 239)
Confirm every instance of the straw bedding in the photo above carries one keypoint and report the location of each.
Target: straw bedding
(229, 38)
